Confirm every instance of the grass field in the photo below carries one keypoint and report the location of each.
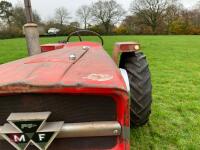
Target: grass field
(175, 68)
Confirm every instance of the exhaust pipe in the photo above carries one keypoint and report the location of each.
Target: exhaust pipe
(31, 31)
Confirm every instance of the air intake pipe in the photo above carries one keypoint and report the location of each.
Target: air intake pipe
(31, 31)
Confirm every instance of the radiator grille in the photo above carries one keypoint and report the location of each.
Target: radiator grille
(67, 108)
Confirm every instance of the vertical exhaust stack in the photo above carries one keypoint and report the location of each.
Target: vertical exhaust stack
(31, 31)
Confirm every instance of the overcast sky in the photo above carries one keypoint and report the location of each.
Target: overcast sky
(46, 8)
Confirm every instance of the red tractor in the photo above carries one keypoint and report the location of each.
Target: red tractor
(73, 96)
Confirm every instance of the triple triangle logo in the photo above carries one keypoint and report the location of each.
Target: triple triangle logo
(24, 129)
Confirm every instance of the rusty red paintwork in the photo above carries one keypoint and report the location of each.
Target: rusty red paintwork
(55, 68)
(92, 72)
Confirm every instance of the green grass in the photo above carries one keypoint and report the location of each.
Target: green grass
(175, 68)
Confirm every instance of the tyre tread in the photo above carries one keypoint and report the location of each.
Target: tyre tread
(141, 88)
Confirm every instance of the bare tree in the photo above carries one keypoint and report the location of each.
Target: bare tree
(172, 13)
(130, 23)
(150, 11)
(19, 16)
(84, 14)
(107, 13)
(196, 14)
(6, 11)
(61, 15)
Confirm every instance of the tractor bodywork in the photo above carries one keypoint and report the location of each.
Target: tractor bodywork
(80, 85)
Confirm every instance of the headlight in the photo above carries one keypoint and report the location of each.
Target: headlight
(137, 47)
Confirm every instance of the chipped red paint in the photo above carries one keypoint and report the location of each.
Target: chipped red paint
(54, 72)
(51, 47)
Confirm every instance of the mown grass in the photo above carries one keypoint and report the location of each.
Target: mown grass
(175, 68)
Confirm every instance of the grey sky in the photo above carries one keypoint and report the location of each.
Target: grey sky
(46, 8)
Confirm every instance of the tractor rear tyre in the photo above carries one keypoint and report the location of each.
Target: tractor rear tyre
(140, 87)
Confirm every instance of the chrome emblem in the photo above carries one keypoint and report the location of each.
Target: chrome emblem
(24, 129)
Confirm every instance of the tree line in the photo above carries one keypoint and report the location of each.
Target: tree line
(109, 17)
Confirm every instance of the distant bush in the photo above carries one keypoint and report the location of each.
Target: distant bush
(194, 31)
(11, 32)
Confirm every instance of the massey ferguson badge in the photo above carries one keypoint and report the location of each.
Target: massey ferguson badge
(24, 129)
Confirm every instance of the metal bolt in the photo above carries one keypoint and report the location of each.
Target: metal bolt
(116, 132)
(86, 48)
(72, 57)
